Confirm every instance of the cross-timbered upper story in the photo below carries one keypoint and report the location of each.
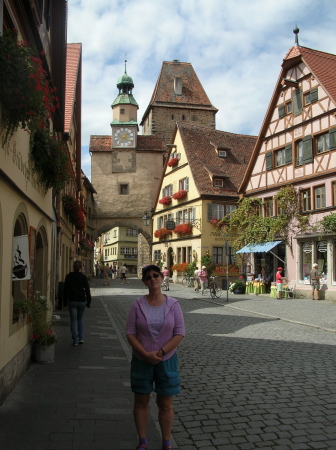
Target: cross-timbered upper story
(297, 142)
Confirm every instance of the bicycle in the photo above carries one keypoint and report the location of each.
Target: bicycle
(187, 281)
(214, 289)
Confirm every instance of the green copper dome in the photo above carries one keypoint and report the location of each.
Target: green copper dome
(125, 80)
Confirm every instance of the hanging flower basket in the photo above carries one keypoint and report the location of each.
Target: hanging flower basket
(75, 212)
(161, 233)
(179, 195)
(86, 245)
(26, 97)
(173, 162)
(233, 269)
(183, 229)
(165, 200)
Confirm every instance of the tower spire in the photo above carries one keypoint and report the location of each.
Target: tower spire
(296, 32)
(125, 64)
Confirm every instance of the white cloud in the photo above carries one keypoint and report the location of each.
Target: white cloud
(235, 46)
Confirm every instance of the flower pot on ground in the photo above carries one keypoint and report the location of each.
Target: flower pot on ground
(237, 287)
(41, 325)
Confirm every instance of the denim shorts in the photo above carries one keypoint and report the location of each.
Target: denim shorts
(162, 378)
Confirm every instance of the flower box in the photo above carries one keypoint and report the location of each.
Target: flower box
(173, 162)
(86, 245)
(183, 229)
(165, 200)
(179, 195)
(161, 233)
(75, 212)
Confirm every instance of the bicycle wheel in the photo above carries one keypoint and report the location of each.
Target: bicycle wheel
(218, 291)
(212, 291)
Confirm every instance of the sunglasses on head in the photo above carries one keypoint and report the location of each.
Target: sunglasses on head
(155, 275)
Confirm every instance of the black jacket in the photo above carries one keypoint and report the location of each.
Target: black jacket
(76, 289)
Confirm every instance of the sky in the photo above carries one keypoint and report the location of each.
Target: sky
(236, 48)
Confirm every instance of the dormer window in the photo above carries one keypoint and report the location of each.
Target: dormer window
(222, 153)
(178, 85)
(218, 182)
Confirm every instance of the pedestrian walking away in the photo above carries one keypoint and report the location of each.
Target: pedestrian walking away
(154, 329)
(196, 279)
(123, 274)
(106, 274)
(314, 278)
(77, 296)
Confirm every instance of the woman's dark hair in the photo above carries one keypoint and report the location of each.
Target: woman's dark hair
(77, 266)
(148, 268)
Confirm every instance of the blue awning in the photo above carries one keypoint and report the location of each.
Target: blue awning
(259, 248)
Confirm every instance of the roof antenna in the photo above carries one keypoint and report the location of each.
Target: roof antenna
(296, 32)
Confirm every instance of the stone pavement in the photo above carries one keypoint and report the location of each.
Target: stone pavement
(83, 400)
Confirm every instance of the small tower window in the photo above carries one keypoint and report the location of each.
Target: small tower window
(122, 111)
(183, 117)
(172, 117)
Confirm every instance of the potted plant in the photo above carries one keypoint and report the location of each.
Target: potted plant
(237, 287)
(75, 212)
(43, 335)
(86, 245)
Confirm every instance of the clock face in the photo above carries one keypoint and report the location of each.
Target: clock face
(124, 137)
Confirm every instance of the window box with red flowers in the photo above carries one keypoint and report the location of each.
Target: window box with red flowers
(183, 229)
(165, 200)
(180, 268)
(75, 212)
(179, 195)
(162, 233)
(173, 162)
(86, 245)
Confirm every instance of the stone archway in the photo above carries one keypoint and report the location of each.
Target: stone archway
(103, 225)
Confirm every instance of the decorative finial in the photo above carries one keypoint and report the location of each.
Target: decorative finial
(125, 64)
(296, 32)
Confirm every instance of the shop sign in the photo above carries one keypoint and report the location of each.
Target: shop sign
(307, 247)
(322, 246)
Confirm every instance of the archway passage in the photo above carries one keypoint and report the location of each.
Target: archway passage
(122, 242)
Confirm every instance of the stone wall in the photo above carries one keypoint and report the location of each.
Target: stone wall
(13, 371)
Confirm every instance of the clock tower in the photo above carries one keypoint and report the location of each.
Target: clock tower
(124, 109)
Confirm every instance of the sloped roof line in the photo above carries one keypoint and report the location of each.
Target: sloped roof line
(74, 52)
(315, 61)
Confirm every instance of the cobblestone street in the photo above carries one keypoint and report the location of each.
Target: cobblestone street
(252, 381)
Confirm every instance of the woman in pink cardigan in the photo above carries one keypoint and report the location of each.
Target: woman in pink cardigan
(154, 329)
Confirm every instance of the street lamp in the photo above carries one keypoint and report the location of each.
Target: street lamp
(146, 219)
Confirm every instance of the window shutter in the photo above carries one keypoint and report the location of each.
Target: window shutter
(307, 150)
(192, 215)
(332, 138)
(180, 185)
(177, 221)
(313, 95)
(269, 162)
(282, 111)
(297, 101)
(209, 211)
(186, 187)
(158, 223)
(170, 190)
(288, 154)
(163, 192)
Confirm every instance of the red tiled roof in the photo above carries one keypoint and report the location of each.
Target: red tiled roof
(322, 65)
(144, 143)
(200, 145)
(193, 93)
(72, 65)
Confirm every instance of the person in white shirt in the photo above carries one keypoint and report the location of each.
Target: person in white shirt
(196, 279)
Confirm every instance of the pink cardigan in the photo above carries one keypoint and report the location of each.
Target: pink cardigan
(173, 325)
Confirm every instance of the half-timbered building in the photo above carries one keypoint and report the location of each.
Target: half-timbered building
(297, 146)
